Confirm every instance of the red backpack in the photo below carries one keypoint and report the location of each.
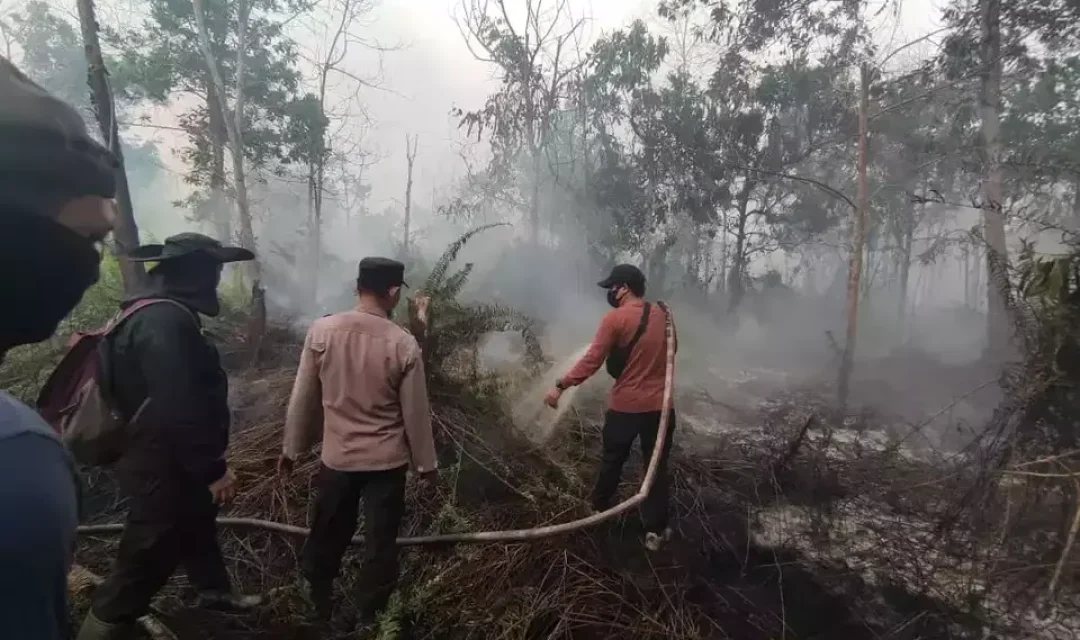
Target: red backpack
(75, 404)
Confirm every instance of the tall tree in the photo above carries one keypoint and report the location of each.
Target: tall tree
(165, 55)
(127, 232)
(234, 127)
(537, 58)
(993, 214)
(410, 159)
(858, 239)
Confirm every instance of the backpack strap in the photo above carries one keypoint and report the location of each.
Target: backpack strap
(115, 323)
(105, 385)
(642, 325)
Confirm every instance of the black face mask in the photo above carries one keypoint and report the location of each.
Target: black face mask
(613, 297)
(194, 279)
(45, 268)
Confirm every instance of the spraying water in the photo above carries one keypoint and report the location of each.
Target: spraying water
(535, 419)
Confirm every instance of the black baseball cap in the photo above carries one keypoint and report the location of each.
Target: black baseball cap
(623, 274)
(380, 274)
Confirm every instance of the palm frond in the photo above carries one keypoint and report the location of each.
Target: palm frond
(438, 272)
(453, 285)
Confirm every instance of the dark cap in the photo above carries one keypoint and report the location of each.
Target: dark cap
(623, 274)
(185, 244)
(379, 274)
(47, 157)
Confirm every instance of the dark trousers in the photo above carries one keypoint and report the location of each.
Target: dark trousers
(334, 523)
(620, 431)
(159, 537)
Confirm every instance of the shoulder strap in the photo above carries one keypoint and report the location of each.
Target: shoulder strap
(642, 325)
(142, 304)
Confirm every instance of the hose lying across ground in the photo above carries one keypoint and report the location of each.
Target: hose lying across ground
(508, 536)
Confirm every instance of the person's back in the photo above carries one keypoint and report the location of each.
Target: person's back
(361, 385)
(363, 359)
(640, 388)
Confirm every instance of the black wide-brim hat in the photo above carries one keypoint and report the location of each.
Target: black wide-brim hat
(186, 244)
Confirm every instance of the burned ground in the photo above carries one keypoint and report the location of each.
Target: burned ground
(782, 532)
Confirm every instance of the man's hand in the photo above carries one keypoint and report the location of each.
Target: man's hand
(285, 466)
(430, 478)
(552, 397)
(422, 303)
(223, 489)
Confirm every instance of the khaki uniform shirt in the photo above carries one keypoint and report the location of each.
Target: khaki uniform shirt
(361, 379)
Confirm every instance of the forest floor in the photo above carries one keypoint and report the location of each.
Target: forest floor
(787, 527)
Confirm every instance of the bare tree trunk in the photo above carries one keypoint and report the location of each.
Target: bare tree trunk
(234, 127)
(219, 213)
(410, 158)
(858, 238)
(977, 285)
(967, 276)
(998, 288)
(736, 289)
(534, 200)
(906, 238)
(722, 285)
(1075, 226)
(126, 232)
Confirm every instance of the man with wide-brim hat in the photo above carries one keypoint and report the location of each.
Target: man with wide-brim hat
(165, 377)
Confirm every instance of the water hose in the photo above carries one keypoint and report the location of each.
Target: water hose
(511, 535)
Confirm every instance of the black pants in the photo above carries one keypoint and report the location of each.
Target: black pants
(334, 523)
(620, 431)
(163, 531)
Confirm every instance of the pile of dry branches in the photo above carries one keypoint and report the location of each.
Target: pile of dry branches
(732, 570)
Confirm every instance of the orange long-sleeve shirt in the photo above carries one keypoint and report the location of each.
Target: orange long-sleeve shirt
(640, 388)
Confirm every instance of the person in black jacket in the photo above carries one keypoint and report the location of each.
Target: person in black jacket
(164, 376)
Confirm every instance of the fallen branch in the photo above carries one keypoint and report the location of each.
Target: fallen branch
(793, 448)
(1071, 539)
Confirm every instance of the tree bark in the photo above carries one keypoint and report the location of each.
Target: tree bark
(126, 232)
(234, 127)
(998, 289)
(410, 158)
(858, 239)
(906, 239)
(736, 288)
(219, 213)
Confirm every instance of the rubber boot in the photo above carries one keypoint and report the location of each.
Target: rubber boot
(320, 595)
(94, 629)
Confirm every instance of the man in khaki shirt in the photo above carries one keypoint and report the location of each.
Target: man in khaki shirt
(361, 379)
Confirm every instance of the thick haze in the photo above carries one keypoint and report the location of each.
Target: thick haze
(416, 67)
(429, 70)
